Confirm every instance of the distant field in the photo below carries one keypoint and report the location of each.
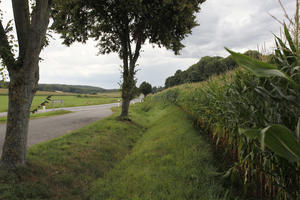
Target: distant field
(70, 100)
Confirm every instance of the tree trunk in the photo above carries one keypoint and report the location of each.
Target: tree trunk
(125, 107)
(127, 91)
(24, 75)
(21, 92)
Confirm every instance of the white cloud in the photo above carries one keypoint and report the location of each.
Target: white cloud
(237, 24)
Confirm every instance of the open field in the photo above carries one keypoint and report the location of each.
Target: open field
(40, 115)
(70, 100)
(158, 155)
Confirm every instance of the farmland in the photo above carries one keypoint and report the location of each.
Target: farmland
(70, 99)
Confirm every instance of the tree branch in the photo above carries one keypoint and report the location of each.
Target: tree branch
(39, 25)
(22, 21)
(5, 49)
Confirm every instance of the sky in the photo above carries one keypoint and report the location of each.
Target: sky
(237, 24)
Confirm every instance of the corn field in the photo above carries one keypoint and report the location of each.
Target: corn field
(253, 116)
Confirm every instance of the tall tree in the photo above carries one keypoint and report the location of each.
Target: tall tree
(145, 88)
(123, 26)
(23, 68)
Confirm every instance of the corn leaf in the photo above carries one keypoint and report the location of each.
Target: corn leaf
(259, 68)
(289, 39)
(282, 142)
(251, 133)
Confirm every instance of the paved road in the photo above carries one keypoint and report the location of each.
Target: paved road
(48, 128)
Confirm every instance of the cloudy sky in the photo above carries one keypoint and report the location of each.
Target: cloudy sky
(237, 24)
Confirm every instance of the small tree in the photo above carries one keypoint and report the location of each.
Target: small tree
(145, 88)
(123, 26)
(23, 73)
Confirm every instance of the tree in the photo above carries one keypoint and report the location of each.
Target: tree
(145, 88)
(123, 26)
(23, 73)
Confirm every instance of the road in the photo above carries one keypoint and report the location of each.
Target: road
(43, 129)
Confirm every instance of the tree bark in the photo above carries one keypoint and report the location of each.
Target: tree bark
(127, 92)
(128, 85)
(21, 93)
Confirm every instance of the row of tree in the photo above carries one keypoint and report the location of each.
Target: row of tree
(208, 66)
(81, 89)
(120, 26)
(201, 71)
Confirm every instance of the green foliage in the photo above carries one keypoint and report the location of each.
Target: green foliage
(227, 105)
(201, 71)
(145, 88)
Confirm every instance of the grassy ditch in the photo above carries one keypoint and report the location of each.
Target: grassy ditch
(170, 161)
(158, 155)
(41, 115)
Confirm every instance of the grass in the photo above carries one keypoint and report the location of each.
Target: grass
(158, 155)
(64, 168)
(69, 100)
(41, 115)
(171, 161)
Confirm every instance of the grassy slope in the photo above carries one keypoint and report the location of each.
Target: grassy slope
(40, 115)
(64, 168)
(169, 161)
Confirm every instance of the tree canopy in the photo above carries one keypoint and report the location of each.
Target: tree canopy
(145, 88)
(201, 71)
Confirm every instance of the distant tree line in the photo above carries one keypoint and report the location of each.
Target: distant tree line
(205, 68)
(201, 71)
(81, 89)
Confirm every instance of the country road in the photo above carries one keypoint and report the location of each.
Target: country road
(43, 129)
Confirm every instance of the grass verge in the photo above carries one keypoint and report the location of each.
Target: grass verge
(171, 161)
(65, 167)
(158, 155)
(41, 115)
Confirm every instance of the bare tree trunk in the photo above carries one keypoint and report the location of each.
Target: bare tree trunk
(21, 93)
(127, 93)
(128, 88)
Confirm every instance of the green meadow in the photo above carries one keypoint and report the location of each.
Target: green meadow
(70, 100)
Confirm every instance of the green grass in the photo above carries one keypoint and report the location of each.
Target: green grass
(40, 115)
(158, 155)
(171, 161)
(64, 168)
(69, 100)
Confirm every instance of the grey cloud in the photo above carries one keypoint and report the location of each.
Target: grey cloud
(237, 24)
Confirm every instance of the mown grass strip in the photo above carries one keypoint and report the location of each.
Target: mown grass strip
(171, 161)
(41, 115)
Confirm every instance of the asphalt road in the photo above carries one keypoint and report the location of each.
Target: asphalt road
(43, 129)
